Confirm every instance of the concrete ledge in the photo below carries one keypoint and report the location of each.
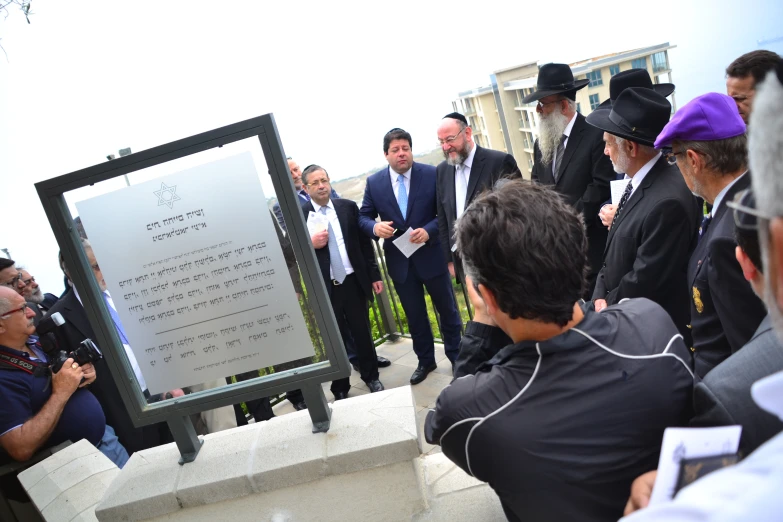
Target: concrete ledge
(370, 431)
(69, 484)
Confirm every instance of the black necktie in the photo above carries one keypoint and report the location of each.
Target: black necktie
(623, 201)
(304, 194)
(559, 156)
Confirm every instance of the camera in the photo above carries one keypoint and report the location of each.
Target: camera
(51, 341)
(85, 353)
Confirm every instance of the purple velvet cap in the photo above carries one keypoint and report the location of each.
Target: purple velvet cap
(709, 117)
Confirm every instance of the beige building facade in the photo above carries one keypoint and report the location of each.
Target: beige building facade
(501, 121)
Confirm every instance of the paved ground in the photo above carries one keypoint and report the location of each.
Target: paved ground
(404, 362)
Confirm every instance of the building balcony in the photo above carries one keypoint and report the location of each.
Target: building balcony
(470, 111)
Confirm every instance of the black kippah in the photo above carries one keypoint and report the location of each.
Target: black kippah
(457, 116)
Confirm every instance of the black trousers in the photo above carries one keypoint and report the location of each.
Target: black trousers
(351, 309)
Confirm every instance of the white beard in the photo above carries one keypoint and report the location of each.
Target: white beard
(621, 167)
(37, 297)
(550, 132)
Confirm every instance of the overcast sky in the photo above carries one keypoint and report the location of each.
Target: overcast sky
(85, 79)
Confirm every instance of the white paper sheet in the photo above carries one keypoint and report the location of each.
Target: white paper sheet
(618, 187)
(404, 244)
(689, 443)
(317, 223)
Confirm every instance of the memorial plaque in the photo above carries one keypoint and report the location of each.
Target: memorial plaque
(197, 275)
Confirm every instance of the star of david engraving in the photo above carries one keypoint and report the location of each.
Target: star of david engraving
(167, 195)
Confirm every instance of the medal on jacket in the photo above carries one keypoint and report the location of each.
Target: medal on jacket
(697, 300)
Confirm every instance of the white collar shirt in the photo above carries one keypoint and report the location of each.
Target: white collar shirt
(723, 192)
(394, 176)
(462, 179)
(637, 178)
(331, 213)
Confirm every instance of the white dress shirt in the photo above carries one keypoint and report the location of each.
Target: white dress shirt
(394, 176)
(128, 351)
(722, 193)
(461, 180)
(567, 134)
(331, 213)
(637, 178)
(748, 491)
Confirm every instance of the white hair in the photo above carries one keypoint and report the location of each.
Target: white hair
(765, 146)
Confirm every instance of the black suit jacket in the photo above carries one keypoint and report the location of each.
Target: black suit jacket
(359, 247)
(724, 310)
(488, 167)
(649, 245)
(75, 330)
(583, 180)
(723, 397)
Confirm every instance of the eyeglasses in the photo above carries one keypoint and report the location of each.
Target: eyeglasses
(22, 309)
(671, 156)
(541, 105)
(28, 281)
(13, 283)
(744, 205)
(318, 183)
(451, 139)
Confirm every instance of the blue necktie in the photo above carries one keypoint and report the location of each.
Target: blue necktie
(402, 195)
(705, 223)
(338, 270)
(116, 319)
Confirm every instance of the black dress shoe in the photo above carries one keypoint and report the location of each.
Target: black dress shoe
(383, 362)
(375, 386)
(298, 406)
(421, 373)
(338, 396)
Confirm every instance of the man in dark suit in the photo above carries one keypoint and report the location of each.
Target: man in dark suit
(75, 330)
(404, 195)
(569, 156)
(466, 172)
(723, 398)
(301, 193)
(707, 139)
(655, 227)
(350, 272)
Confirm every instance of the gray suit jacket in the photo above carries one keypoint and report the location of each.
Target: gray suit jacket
(723, 397)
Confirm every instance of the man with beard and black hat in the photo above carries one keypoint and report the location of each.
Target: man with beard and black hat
(619, 82)
(466, 172)
(655, 226)
(569, 155)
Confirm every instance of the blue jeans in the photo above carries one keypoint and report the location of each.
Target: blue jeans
(111, 447)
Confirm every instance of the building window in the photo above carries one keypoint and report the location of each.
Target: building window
(578, 107)
(614, 69)
(659, 62)
(639, 63)
(529, 162)
(595, 78)
(594, 102)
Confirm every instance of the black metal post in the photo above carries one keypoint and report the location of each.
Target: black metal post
(317, 406)
(185, 436)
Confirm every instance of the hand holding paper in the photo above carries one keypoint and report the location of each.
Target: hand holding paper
(406, 246)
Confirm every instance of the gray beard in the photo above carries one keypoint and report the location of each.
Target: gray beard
(621, 167)
(37, 297)
(462, 155)
(550, 132)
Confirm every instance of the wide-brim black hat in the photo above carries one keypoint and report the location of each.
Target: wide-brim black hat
(634, 78)
(638, 114)
(554, 78)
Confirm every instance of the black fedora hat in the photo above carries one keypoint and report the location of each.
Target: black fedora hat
(638, 114)
(634, 78)
(554, 78)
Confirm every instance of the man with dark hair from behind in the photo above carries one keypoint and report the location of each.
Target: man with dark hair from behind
(560, 422)
(744, 73)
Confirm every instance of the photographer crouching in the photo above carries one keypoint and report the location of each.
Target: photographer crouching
(44, 405)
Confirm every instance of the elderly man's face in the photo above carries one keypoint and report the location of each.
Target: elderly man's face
(318, 187)
(454, 142)
(296, 174)
(742, 90)
(11, 278)
(16, 323)
(31, 291)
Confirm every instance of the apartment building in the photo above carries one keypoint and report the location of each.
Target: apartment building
(501, 121)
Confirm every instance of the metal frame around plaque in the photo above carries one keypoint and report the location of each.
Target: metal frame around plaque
(176, 412)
